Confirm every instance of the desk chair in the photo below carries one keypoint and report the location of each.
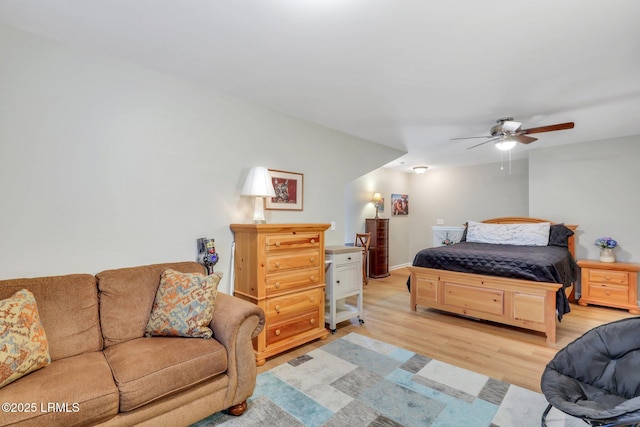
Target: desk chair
(363, 240)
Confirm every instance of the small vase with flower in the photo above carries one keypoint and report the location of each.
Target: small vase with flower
(606, 245)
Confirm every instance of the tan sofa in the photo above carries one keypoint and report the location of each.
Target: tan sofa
(105, 372)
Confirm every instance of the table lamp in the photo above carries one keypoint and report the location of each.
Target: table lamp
(377, 200)
(259, 185)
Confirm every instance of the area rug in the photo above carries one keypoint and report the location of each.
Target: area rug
(359, 381)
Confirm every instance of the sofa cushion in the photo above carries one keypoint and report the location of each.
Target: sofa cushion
(68, 309)
(81, 386)
(147, 369)
(126, 298)
(23, 342)
(184, 305)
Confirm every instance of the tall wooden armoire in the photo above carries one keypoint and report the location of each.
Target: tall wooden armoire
(379, 247)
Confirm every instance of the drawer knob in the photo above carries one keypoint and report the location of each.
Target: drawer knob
(312, 299)
(277, 309)
(313, 241)
(349, 258)
(277, 244)
(312, 321)
(277, 265)
(607, 292)
(607, 277)
(277, 285)
(277, 332)
(314, 278)
(312, 259)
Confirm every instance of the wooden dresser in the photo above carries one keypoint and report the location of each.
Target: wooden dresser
(612, 284)
(379, 247)
(280, 267)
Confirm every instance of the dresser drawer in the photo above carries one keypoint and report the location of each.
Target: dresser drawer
(609, 276)
(284, 242)
(608, 292)
(292, 325)
(281, 306)
(348, 258)
(296, 260)
(286, 282)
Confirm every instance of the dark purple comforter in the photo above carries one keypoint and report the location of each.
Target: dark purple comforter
(536, 263)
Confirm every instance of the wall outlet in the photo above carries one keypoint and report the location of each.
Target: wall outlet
(333, 225)
(439, 221)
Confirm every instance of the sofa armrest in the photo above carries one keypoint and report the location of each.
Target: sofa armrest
(235, 322)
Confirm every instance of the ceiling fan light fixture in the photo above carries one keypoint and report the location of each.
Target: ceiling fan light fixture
(506, 144)
(420, 169)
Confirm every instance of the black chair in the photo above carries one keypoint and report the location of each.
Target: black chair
(597, 377)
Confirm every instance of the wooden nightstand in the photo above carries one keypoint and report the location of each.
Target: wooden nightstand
(612, 284)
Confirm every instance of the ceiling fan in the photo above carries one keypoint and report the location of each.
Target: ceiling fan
(506, 133)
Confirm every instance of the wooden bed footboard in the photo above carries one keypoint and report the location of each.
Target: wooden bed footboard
(526, 304)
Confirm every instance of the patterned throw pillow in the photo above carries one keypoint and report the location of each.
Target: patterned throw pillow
(23, 343)
(184, 305)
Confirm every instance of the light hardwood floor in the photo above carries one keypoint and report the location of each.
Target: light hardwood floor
(503, 352)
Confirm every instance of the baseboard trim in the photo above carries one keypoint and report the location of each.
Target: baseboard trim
(397, 267)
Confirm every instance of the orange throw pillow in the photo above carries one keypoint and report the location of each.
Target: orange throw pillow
(23, 343)
(184, 305)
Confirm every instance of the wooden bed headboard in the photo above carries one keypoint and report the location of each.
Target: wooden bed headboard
(527, 220)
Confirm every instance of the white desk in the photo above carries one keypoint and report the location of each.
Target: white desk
(344, 279)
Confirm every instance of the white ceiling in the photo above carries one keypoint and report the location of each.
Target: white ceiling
(410, 74)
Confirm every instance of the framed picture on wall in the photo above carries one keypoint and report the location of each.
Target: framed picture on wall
(400, 204)
(289, 188)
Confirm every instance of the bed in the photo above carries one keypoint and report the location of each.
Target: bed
(514, 284)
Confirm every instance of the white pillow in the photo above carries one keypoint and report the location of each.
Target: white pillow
(535, 234)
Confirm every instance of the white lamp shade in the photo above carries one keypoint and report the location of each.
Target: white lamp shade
(420, 169)
(258, 183)
(506, 144)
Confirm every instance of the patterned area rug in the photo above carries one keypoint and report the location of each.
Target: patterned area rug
(359, 381)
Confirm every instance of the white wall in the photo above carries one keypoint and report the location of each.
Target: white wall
(457, 195)
(453, 194)
(358, 207)
(591, 184)
(104, 164)
(594, 185)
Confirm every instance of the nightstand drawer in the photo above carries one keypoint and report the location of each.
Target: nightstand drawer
(608, 292)
(349, 258)
(609, 276)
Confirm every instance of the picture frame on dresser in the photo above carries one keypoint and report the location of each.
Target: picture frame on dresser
(289, 188)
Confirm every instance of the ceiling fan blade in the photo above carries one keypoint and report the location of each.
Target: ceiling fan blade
(469, 137)
(482, 143)
(550, 128)
(524, 139)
